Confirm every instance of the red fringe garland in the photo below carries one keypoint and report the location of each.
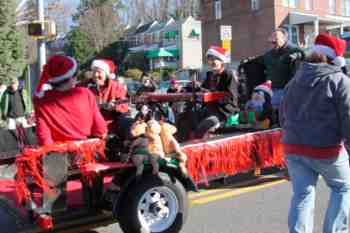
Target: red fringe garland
(29, 163)
(233, 155)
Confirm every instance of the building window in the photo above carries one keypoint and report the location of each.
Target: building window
(255, 5)
(290, 3)
(309, 5)
(332, 6)
(293, 33)
(293, 3)
(294, 37)
(346, 8)
(218, 9)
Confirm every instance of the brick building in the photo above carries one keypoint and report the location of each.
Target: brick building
(253, 21)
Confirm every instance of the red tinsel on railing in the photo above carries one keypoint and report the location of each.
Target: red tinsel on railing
(29, 163)
(235, 154)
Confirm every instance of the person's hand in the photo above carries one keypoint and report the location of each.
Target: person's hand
(247, 59)
(109, 106)
(290, 58)
(225, 100)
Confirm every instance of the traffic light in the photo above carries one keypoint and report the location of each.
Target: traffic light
(42, 30)
(35, 29)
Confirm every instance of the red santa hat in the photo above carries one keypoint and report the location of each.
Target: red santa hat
(107, 66)
(265, 87)
(173, 82)
(218, 52)
(332, 47)
(58, 69)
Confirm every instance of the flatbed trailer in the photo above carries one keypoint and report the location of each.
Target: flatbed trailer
(152, 203)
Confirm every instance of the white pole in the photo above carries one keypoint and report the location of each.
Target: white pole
(316, 27)
(41, 43)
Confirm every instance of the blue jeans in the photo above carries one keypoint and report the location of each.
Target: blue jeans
(276, 98)
(304, 173)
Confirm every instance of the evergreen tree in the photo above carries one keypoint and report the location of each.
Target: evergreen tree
(79, 47)
(12, 58)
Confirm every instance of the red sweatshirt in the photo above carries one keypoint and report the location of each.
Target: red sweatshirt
(114, 91)
(71, 115)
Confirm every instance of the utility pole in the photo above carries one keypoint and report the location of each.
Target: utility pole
(41, 42)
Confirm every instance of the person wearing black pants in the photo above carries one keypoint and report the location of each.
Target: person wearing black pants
(219, 79)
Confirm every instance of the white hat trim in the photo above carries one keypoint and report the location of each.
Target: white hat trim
(215, 53)
(339, 61)
(67, 75)
(101, 65)
(328, 51)
(264, 89)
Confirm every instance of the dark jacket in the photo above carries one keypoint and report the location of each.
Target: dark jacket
(316, 108)
(5, 100)
(227, 82)
(280, 64)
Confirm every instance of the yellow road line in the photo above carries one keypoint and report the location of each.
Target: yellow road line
(205, 200)
(255, 182)
(206, 193)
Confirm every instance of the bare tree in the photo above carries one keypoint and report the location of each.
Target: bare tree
(102, 24)
(185, 8)
(149, 10)
(26, 12)
(60, 12)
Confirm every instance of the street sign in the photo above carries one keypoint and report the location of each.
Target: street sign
(226, 44)
(225, 32)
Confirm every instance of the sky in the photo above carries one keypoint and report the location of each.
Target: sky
(73, 3)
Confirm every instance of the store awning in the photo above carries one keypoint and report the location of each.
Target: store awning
(328, 20)
(301, 18)
(162, 53)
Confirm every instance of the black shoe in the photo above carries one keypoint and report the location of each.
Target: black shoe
(207, 126)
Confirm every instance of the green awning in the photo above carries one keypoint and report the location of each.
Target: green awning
(162, 53)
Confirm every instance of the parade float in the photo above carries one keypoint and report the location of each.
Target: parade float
(155, 203)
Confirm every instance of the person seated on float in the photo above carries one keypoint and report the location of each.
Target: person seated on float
(177, 107)
(258, 112)
(108, 92)
(63, 113)
(174, 86)
(223, 80)
(148, 84)
(59, 110)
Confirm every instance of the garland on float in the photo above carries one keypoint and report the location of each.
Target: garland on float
(233, 155)
(29, 163)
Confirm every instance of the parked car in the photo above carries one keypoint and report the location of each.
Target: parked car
(132, 86)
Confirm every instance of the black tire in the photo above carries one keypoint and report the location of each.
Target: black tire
(128, 215)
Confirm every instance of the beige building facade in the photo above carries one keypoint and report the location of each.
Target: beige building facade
(253, 21)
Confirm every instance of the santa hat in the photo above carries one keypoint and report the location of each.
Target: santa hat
(59, 68)
(265, 87)
(107, 66)
(173, 82)
(332, 47)
(218, 52)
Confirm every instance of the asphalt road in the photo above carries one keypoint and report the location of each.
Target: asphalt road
(257, 207)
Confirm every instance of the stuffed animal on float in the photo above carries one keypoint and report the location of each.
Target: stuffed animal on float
(171, 145)
(139, 152)
(258, 110)
(155, 146)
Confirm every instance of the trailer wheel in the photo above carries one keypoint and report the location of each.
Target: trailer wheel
(155, 205)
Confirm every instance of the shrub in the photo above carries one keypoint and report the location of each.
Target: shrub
(134, 74)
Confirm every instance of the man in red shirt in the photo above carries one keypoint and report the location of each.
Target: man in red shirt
(63, 113)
